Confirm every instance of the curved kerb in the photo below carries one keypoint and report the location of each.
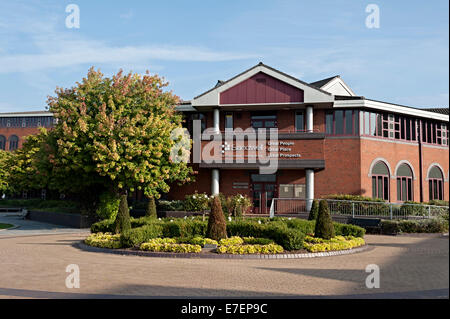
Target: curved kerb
(81, 245)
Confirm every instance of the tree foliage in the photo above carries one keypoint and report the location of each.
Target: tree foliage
(324, 224)
(217, 226)
(116, 132)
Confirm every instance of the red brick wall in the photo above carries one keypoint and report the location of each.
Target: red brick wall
(20, 132)
(342, 168)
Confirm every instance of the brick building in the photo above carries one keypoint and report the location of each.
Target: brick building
(15, 126)
(329, 141)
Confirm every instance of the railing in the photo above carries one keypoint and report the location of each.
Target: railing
(384, 210)
(361, 209)
(287, 206)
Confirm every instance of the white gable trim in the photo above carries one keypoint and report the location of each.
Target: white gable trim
(311, 95)
(338, 81)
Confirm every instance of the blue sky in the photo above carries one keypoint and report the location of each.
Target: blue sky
(192, 44)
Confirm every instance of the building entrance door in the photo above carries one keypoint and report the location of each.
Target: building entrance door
(263, 190)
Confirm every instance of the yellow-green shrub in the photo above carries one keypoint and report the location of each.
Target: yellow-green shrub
(235, 240)
(202, 241)
(154, 245)
(250, 249)
(103, 240)
(313, 244)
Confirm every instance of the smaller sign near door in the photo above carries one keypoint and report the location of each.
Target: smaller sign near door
(238, 185)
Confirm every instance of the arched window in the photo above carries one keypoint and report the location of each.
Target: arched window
(405, 190)
(2, 142)
(380, 181)
(436, 183)
(13, 142)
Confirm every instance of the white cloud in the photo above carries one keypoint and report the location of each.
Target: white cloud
(91, 53)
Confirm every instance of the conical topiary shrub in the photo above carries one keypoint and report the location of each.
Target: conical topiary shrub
(217, 226)
(324, 224)
(122, 222)
(314, 210)
(151, 208)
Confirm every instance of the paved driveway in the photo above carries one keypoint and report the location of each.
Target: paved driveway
(30, 228)
(35, 267)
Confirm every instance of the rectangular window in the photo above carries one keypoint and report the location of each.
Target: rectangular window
(366, 123)
(339, 122)
(228, 120)
(299, 121)
(348, 122)
(264, 120)
(373, 124)
(329, 122)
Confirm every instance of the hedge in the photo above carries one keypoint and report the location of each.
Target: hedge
(433, 225)
(289, 238)
(136, 236)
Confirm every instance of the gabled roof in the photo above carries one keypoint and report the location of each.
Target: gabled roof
(440, 110)
(312, 93)
(334, 85)
(321, 83)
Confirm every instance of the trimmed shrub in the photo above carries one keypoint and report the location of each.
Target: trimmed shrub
(199, 241)
(171, 205)
(104, 226)
(103, 240)
(184, 228)
(314, 244)
(108, 206)
(324, 224)
(348, 230)
(136, 236)
(217, 227)
(353, 198)
(123, 216)
(235, 240)
(257, 241)
(314, 210)
(433, 225)
(151, 208)
(289, 238)
(250, 249)
(413, 209)
(170, 247)
(197, 202)
(438, 202)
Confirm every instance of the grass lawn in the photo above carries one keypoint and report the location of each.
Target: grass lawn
(4, 226)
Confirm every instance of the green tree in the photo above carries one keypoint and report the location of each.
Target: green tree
(324, 224)
(122, 222)
(151, 208)
(117, 134)
(217, 226)
(314, 210)
(5, 160)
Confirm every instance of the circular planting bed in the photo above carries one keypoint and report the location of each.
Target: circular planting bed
(233, 247)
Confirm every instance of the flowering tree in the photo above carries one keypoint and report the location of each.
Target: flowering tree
(116, 133)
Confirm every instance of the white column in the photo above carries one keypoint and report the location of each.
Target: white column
(215, 181)
(216, 120)
(309, 188)
(309, 118)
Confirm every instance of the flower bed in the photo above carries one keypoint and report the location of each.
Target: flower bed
(245, 236)
(103, 240)
(315, 245)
